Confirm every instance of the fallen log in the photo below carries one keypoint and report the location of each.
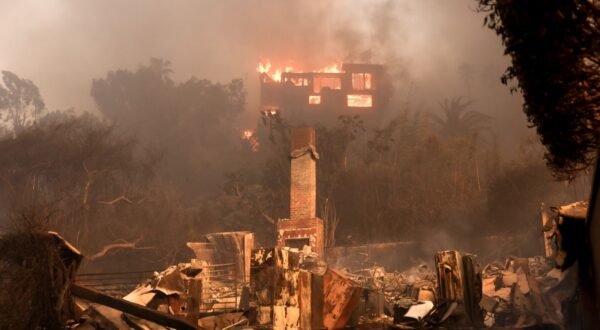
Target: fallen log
(131, 308)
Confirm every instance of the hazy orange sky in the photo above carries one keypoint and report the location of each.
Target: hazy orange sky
(436, 48)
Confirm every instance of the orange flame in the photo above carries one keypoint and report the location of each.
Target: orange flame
(264, 67)
(275, 73)
(248, 135)
(360, 100)
(332, 68)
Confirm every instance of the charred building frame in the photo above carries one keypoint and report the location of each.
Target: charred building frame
(357, 89)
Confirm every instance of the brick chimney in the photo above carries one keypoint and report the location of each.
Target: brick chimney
(303, 192)
(303, 227)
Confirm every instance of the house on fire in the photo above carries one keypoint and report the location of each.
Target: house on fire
(355, 89)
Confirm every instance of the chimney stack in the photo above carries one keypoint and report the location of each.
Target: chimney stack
(303, 227)
(303, 192)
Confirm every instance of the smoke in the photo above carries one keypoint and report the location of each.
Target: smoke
(434, 49)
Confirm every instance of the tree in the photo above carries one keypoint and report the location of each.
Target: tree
(555, 52)
(101, 187)
(457, 120)
(20, 101)
(382, 184)
(191, 122)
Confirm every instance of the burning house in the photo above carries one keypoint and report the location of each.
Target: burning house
(350, 89)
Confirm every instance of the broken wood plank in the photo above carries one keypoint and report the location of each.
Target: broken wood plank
(131, 308)
(341, 296)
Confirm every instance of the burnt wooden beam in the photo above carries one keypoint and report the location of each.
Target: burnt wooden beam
(131, 308)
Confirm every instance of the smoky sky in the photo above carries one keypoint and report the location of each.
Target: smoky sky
(434, 49)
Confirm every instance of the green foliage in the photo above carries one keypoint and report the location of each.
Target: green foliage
(555, 52)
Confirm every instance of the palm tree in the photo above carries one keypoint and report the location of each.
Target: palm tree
(457, 120)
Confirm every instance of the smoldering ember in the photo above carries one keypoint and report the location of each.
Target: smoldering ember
(365, 164)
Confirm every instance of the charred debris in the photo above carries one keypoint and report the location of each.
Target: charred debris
(300, 284)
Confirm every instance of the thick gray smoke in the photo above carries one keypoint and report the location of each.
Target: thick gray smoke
(435, 49)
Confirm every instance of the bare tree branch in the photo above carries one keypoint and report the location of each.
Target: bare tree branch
(91, 176)
(113, 246)
(116, 200)
(268, 218)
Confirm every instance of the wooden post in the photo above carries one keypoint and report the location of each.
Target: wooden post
(194, 298)
(450, 278)
(310, 300)
(545, 235)
(459, 280)
(235, 286)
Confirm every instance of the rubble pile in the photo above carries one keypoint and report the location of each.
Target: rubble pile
(414, 284)
(289, 289)
(523, 292)
(516, 293)
(390, 296)
(216, 293)
(184, 290)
